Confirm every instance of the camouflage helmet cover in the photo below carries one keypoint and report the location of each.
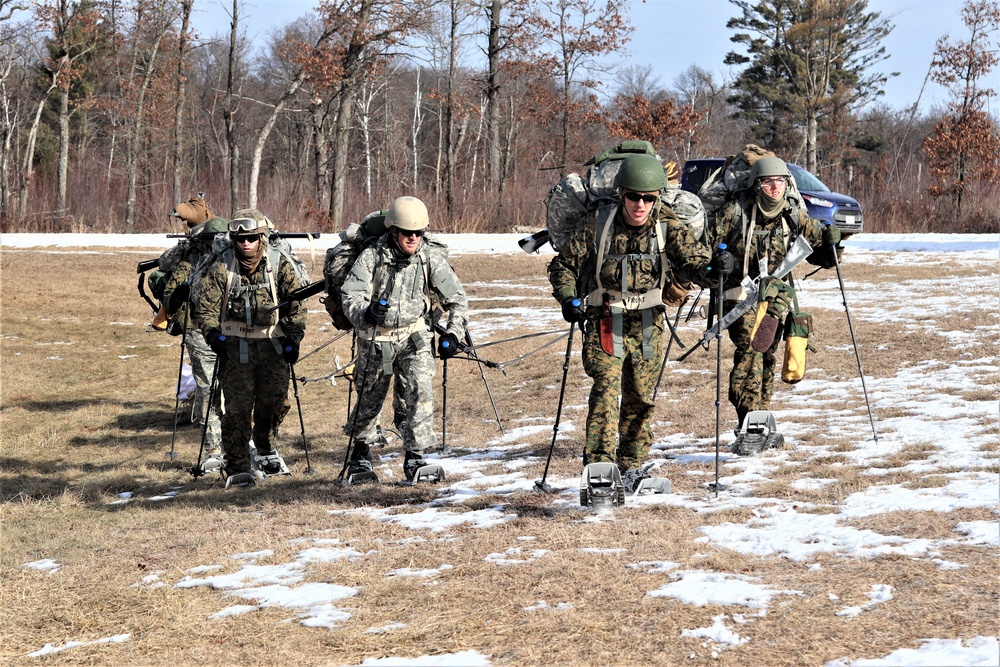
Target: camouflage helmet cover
(250, 221)
(768, 166)
(641, 173)
(408, 213)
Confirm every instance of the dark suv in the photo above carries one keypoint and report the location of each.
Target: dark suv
(824, 204)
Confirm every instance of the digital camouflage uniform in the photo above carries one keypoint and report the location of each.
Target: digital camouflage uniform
(752, 378)
(403, 343)
(201, 355)
(622, 433)
(253, 375)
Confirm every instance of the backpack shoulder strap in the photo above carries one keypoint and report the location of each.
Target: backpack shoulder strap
(604, 221)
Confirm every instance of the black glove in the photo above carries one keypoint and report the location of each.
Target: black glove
(216, 341)
(572, 310)
(448, 346)
(375, 314)
(831, 235)
(178, 297)
(723, 262)
(289, 350)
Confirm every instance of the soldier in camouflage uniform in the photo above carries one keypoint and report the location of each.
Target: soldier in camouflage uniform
(235, 309)
(758, 228)
(176, 295)
(624, 360)
(387, 297)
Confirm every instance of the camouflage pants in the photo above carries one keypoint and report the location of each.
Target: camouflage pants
(413, 405)
(257, 393)
(752, 378)
(202, 367)
(621, 400)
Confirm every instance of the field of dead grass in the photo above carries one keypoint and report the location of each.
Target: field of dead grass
(86, 414)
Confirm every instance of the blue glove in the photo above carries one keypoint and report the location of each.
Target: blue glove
(448, 346)
(375, 314)
(572, 310)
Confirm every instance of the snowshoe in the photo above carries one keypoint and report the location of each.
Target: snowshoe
(640, 483)
(601, 486)
(213, 462)
(360, 472)
(759, 432)
(246, 478)
(269, 464)
(417, 470)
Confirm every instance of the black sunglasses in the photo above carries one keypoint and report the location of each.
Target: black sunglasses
(412, 232)
(246, 239)
(637, 196)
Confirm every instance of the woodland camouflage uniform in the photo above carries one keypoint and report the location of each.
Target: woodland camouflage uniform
(752, 378)
(622, 434)
(402, 344)
(253, 374)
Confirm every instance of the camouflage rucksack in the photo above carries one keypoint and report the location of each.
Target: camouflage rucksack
(573, 198)
(730, 181)
(341, 257)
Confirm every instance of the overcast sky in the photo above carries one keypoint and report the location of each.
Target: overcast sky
(671, 35)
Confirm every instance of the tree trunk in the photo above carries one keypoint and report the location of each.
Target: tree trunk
(63, 167)
(258, 149)
(181, 95)
(320, 151)
(496, 179)
(449, 117)
(418, 119)
(341, 146)
(28, 168)
(134, 135)
(229, 114)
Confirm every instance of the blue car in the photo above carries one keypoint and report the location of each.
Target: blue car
(823, 203)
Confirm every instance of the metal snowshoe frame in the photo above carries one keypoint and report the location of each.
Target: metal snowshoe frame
(601, 486)
(241, 479)
(427, 474)
(759, 432)
(258, 461)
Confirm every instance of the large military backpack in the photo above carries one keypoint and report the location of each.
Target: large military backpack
(341, 257)
(570, 201)
(731, 181)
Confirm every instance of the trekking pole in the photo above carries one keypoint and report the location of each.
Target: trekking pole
(196, 471)
(482, 374)
(357, 408)
(302, 424)
(444, 407)
(177, 394)
(666, 355)
(326, 344)
(354, 356)
(719, 305)
(854, 341)
(540, 485)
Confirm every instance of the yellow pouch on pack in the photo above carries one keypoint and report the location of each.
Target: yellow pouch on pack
(761, 314)
(161, 319)
(798, 326)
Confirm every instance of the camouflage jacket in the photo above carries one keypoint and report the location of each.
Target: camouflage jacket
(573, 272)
(249, 293)
(194, 253)
(772, 238)
(407, 283)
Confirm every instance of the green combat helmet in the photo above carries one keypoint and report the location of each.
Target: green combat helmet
(216, 226)
(407, 213)
(767, 166)
(641, 173)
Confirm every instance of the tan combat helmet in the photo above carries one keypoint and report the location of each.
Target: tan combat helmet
(250, 221)
(407, 213)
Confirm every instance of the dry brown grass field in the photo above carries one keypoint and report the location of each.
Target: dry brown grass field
(87, 412)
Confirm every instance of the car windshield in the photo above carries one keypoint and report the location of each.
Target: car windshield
(806, 181)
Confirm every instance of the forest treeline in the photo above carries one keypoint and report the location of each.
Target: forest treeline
(111, 111)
